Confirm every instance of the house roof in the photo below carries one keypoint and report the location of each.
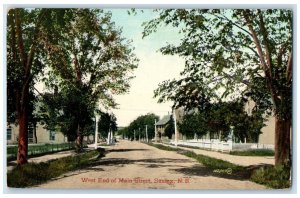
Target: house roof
(164, 120)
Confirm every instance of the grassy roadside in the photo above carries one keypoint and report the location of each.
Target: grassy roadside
(276, 177)
(209, 162)
(256, 152)
(32, 174)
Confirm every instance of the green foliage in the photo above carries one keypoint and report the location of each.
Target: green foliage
(90, 63)
(223, 59)
(277, 177)
(219, 117)
(213, 163)
(193, 123)
(139, 126)
(32, 174)
(165, 148)
(107, 122)
(254, 152)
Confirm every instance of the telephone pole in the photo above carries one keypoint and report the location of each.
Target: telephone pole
(175, 127)
(146, 133)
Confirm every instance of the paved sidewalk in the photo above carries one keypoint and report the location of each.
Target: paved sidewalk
(235, 159)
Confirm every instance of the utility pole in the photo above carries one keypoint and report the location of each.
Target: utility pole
(134, 135)
(108, 137)
(111, 136)
(139, 134)
(155, 134)
(175, 127)
(96, 132)
(146, 133)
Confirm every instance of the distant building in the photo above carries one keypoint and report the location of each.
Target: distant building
(267, 135)
(161, 126)
(268, 132)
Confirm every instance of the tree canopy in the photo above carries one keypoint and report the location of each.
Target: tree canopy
(138, 127)
(233, 53)
(77, 52)
(27, 31)
(218, 119)
(90, 62)
(107, 122)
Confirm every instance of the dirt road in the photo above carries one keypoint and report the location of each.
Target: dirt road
(134, 165)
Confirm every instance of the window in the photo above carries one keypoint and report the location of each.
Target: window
(8, 132)
(52, 135)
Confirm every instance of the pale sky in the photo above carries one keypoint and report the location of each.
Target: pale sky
(153, 67)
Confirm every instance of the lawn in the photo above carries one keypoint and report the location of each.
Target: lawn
(254, 152)
(32, 174)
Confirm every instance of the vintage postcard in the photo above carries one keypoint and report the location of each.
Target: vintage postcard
(164, 98)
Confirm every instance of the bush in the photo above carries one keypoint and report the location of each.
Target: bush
(277, 177)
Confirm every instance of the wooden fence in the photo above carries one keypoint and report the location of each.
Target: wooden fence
(223, 146)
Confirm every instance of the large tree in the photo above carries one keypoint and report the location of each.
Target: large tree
(231, 52)
(63, 40)
(26, 30)
(91, 62)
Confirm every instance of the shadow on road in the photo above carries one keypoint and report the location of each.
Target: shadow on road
(199, 170)
(174, 165)
(126, 150)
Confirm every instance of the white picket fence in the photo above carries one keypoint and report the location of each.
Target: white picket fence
(249, 146)
(217, 145)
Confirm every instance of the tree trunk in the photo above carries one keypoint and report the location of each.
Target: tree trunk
(79, 139)
(282, 141)
(23, 138)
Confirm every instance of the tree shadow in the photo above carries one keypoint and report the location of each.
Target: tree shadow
(126, 150)
(235, 174)
(147, 162)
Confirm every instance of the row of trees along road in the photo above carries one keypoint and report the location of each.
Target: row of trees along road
(78, 53)
(233, 53)
(137, 128)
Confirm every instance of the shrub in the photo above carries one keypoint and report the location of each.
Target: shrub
(274, 177)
